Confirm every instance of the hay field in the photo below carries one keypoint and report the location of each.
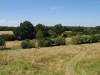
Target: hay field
(43, 61)
(6, 32)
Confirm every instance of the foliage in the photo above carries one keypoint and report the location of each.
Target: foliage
(25, 31)
(64, 35)
(8, 37)
(54, 35)
(85, 39)
(76, 39)
(60, 41)
(82, 39)
(33, 43)
(58, 29)
(39, 35)
(25, 44)
(47, 42)
(43, 28)
(2, 43)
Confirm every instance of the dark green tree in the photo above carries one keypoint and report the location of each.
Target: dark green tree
(43, 28)
(25, 31)
(58, 29)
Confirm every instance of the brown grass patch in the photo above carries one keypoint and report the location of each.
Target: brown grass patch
(6, 32)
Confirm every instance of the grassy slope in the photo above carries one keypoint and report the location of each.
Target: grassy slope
(90, 64)
(43, 61)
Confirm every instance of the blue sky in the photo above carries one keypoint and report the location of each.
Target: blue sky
(50, 12)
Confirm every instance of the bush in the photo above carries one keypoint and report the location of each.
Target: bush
(33, 43)
(54, 35)
(95, 38)
(64, 35)
(8, 37)
(76, 39)
(25, 44)
(60, 41)
(85, 39)
(47, 42)
(2, 43)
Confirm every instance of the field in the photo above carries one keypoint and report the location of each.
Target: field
(6, 32)
(57, 60)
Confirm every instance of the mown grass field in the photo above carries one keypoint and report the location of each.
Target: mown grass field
(48, 60)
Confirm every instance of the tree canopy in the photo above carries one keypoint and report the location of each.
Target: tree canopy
(25, 31)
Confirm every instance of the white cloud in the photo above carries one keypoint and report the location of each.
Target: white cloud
(16, 21)
(2, 21)
(9, 23)
(54, 8)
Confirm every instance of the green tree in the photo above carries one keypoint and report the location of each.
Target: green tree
(43, 28)
(25, 31)
(58, 29)
(39, 37)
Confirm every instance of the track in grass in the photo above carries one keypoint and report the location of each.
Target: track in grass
(70, 65)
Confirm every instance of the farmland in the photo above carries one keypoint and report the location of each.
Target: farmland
(6, 32)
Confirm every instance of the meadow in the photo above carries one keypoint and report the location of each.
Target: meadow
(50, 60)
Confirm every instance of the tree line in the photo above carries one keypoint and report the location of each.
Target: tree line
(46, 34)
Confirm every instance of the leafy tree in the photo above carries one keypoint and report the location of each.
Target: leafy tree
(39, 37)
(43, 28)
(25, 31)
(58, 29)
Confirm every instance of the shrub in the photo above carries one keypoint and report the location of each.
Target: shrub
(2, 43)
(8, 37)
(25, 44)
(60, 41)
(76, 39)
(47, 42)
(85, 39)
(54, 35)
(64, 34)
(95, 38)
(33, 43)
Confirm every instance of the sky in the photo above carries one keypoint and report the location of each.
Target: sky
(50, 12)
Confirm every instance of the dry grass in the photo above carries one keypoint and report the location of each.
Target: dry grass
(6, 32)
(90, 64)
(43, 61)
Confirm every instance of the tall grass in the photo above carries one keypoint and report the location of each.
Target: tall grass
(43, 61)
